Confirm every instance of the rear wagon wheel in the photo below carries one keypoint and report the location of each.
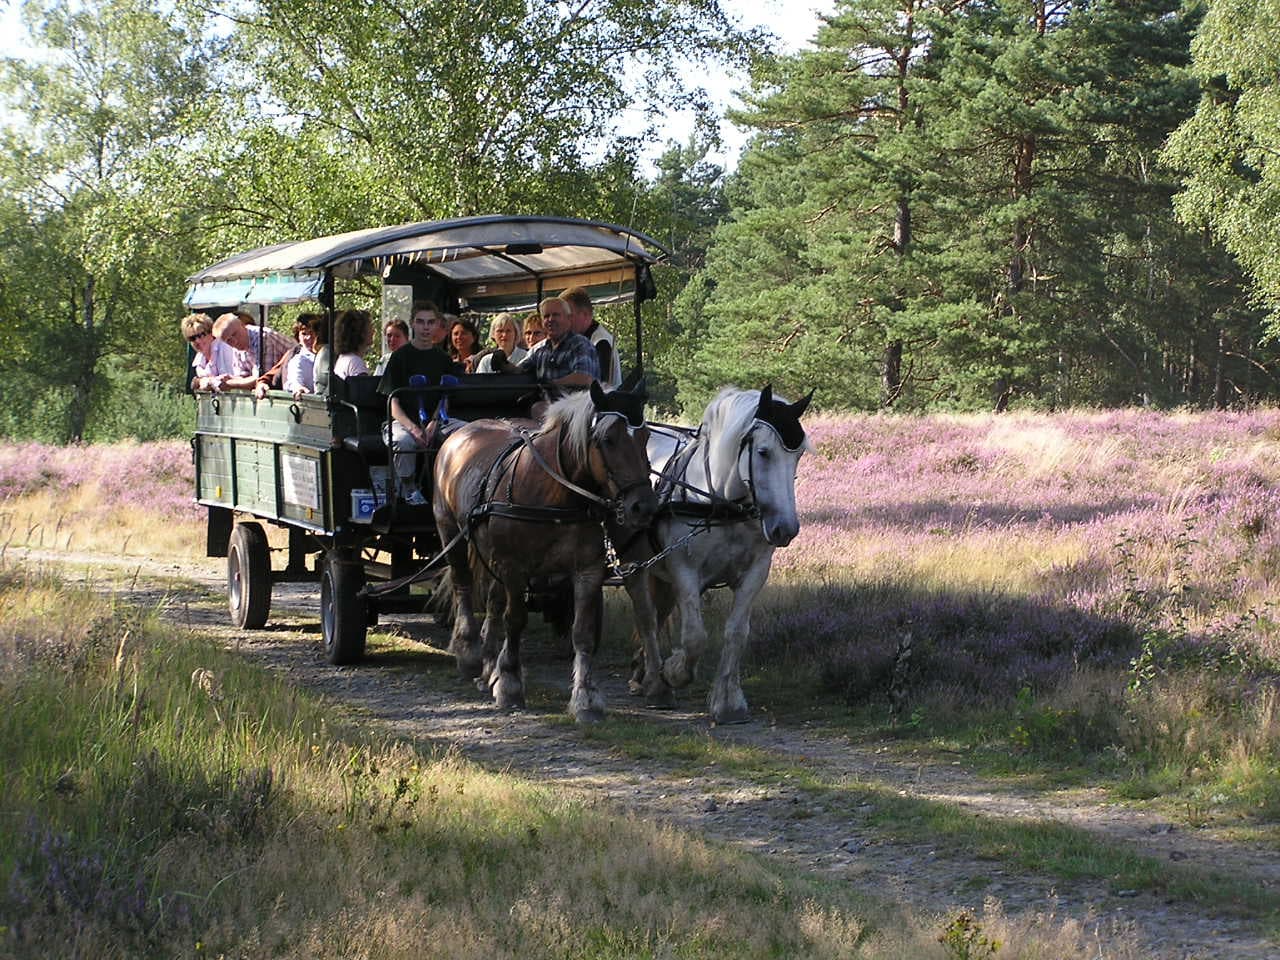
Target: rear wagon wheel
(249, 576)
(343, 617)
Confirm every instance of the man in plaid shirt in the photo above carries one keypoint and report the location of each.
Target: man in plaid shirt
(245, 338)
(567, 360)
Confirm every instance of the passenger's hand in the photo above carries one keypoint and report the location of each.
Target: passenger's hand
(260, 390)
(297, 394)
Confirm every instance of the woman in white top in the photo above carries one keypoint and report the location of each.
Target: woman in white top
(352, 336)
(503, 332)
(395, 334)
(299, 373)
(212, 363)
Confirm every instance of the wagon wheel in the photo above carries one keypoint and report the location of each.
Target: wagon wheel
(343, 617)
(249, 576)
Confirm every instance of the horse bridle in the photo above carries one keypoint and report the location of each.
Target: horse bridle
(612, 504)
(743, 508)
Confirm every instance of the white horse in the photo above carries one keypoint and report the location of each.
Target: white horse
(727, 501)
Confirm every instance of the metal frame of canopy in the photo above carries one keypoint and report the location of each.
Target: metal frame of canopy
(489, 263)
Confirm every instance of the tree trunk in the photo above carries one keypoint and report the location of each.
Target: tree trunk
(1024, 154)
(892, 382)
(1000, 394)
(1219, 382)
(78, 409)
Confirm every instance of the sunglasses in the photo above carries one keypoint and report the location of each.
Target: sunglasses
(196, 336)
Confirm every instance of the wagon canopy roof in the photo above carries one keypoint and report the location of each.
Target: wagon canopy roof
(491, 263)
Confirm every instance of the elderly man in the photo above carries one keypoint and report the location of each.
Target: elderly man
(583, 318)
(256, 351)
(567, 361)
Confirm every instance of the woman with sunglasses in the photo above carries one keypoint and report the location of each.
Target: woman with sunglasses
(212, 363)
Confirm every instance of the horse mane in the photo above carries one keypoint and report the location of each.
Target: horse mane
(575, 415)
(729, 414)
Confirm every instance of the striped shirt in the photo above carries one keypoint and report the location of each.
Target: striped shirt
(275, 345)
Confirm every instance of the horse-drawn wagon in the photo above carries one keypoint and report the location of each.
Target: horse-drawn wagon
(317, 465)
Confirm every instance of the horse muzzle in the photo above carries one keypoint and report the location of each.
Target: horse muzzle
(779, 531)
(636, 506)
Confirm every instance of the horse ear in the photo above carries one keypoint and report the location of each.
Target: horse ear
(597, 394)
(801, 405)
(766, 401)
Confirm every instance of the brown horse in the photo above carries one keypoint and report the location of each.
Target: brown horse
(523, 504)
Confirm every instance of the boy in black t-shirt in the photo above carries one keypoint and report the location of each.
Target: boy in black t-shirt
(420, 355)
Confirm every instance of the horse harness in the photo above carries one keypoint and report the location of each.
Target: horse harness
(596, 509)
(717, 511)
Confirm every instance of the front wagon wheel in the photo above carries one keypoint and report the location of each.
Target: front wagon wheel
(343, 618)
(249, 576)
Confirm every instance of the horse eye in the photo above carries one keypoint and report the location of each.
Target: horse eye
(764, 454)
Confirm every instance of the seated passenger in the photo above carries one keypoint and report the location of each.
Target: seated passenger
(395, 334)
(352, 336)
(246, 339)
(412, 430)
(503, 333)
(299, 373)
(464, 343)
(212, 364)
(320, 370)
(582, 318)
(566, 362)
(535, 334)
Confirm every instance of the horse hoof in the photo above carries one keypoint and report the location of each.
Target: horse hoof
(677, 670)
(727, 717)
(589, 715)
(663, 698)
(507, 699)
(508, 691)
(470, 670)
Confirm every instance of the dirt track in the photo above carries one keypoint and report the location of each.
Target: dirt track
(416, 696)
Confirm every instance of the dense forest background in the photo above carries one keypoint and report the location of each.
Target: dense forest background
(944, 204)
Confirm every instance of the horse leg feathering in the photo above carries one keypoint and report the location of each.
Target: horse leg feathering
(726, 702)
(507, 681)
(648, 680)
(586, 702)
